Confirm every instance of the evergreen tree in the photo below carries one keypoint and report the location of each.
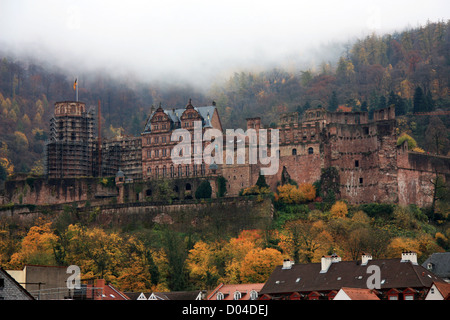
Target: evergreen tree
(364, 106)
(204, 190)
(334, 102)
(382, 102)
(420, 103)
(398, 103)
(261, 183)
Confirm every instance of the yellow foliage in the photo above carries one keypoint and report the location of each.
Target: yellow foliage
(339, 210)
(258, 264)
(291, 194)
(36, 247)
(201, 261)
(417, 149)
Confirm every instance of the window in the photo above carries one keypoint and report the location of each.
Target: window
(294, 152)
(356, 163)
(360, 180)
(237, 295)
(219, 296)
(310, 151)
(253, 295)
(149, 153)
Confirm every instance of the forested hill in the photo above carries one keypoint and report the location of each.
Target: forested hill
(409, 69)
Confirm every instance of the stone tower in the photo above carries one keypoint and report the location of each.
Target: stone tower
(69, 151)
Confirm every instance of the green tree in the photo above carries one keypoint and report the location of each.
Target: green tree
(333, 104)
(261, 183)
(204, 190)
(221, 186)
(176, 253)
(420, 103)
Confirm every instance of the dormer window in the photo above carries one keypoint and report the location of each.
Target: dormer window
(237, 295)
(219, 296)
(253, 295)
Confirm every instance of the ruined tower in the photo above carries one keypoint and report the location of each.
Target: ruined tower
(69, 151)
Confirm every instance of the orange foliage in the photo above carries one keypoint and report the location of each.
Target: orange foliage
(291, 194)
(258, 264)
(339, 210)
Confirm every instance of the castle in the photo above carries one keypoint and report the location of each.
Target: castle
(370, 166)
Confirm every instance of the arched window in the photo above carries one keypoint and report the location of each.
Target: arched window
(188, 186)
(253, 295)
(219, 296)
(294, 152)
(310, 150)
(237, 295)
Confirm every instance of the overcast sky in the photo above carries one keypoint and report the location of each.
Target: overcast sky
(197, 39)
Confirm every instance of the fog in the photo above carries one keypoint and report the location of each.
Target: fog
(198, 41)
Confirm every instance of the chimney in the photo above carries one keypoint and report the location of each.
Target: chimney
(287, 264)
(365, 259)
(409, 256)
(99, 283)
(327, 261)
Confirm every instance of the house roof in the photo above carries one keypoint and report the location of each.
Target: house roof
(175, 295)
(307, 277)
(360, 294)
(18, 285)
(109, 292)
(175, 115)
(228, 290)
(444, 289)
(439, 264)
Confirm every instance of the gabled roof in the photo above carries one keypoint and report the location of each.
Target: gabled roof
(360, 294)
(444, 289)
(175, 115)
(228, 290)
(307, 277)
(175, 295)
(439, 263)
(108, 291)
(16, 284)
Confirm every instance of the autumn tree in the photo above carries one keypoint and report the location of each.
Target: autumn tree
(258, 264)
(305, 241)
(339, 210)
(36, 247)
(202, 266)
(436, 136)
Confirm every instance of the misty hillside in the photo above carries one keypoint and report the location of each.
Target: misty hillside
(409, 69)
